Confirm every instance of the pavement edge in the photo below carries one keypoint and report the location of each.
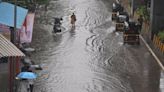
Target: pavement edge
(152, 52)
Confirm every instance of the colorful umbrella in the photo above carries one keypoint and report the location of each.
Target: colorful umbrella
(27, 75)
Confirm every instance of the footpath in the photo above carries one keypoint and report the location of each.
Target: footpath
(146, 38)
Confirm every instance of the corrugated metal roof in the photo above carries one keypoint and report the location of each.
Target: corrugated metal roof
(7, 14)
(8, 49)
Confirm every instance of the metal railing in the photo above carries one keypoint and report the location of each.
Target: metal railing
(158, 44)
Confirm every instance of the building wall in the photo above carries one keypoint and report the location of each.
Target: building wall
(3, 75)
(131, 5)
(157, 16)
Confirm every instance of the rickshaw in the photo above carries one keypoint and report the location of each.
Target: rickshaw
(120, 23)
(114, 15)
(131, 34)
(125, 14)
(116, 8)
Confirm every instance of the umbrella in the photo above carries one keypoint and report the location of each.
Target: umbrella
(29, 49)
(27, 75)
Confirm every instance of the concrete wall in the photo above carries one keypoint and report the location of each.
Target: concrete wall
(157, 16)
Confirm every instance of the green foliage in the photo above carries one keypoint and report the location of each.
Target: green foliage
(142, 10)
(161, 35)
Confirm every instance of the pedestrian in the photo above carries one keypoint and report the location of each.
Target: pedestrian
(25, 68)
(31, 85)
(140, 22)
(73, 20)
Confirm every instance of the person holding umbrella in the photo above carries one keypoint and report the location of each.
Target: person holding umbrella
(31, 84)
(30, 76)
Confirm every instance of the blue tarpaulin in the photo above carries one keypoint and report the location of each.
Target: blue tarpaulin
(7, 15)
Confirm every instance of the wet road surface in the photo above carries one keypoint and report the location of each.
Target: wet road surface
(90, 57)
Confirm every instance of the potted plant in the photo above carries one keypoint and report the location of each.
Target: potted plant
(142, 10)
(161, 36)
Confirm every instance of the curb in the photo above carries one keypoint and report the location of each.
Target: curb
(153, 54)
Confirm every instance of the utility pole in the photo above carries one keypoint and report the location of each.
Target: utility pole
(15, 18)
(132, 8)
(13, 29)
(13, 40)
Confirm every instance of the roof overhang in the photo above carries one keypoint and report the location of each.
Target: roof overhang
(8, 49)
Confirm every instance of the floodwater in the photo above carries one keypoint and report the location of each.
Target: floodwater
(90, 57)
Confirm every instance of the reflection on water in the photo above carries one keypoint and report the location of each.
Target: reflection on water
(72, 31)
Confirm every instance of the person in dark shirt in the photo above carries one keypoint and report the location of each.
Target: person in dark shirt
(140, 22)
(25, 68)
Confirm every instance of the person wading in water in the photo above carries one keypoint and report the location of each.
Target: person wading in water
(73, 20)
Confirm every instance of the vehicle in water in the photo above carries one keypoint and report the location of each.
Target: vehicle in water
(116, 8)
(120, 23)
(131, 34)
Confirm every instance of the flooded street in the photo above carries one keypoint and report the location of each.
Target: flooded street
(90, 57)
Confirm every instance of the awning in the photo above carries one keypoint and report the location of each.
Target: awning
(7, 49)
(7, 15)
(27, 29)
